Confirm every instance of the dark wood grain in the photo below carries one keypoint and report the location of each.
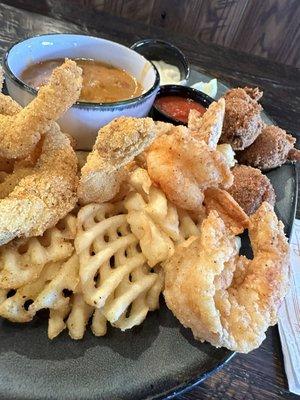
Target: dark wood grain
(269, 28)
(260, 374)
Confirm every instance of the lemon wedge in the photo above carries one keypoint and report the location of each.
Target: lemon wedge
(210, 88)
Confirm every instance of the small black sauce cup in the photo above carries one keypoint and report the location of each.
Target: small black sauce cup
(155, 49)
(182, 91)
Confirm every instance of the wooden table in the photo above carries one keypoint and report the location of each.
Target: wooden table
(260, 374)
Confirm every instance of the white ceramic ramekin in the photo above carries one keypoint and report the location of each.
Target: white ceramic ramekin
(83, 120)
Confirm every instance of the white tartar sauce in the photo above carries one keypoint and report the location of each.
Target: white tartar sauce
(169, 74)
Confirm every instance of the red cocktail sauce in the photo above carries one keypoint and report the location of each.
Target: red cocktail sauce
(178, 107)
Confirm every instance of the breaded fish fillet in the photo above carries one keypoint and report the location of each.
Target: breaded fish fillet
(117, 144)
(21, 129)
(45, 195)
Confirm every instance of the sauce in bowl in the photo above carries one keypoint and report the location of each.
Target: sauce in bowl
(102, 83)
(178, 107)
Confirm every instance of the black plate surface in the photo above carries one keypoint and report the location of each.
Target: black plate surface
(158, 359)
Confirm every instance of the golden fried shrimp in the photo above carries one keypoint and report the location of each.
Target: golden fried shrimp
(116, 146)
(228, 209)
(225, 299)
(21, 129)
(45, 195)
(184, 167)
(209, 126)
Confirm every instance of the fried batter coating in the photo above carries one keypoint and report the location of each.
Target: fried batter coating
(21, 131)
(116, 146)
(225, 299)
(228, 209)
(184, 167)
(251, 188)
(209, 126)
(271, 149)
(242, 121)
(45, 195)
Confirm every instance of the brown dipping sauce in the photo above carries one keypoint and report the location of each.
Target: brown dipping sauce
(102, 83)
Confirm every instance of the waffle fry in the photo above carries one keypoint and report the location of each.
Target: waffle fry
(16, 307)
(52, 295)
(56, 323)
(152, 218)
(73, 315)
(113, 271)
(22, 260)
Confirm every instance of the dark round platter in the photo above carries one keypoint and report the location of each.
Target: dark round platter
(156, 360)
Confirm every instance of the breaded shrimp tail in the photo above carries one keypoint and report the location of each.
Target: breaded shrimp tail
(20, 132)
(117, 144)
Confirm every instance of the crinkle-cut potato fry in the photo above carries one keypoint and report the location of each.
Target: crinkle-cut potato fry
(78, 317)
(157, 223)
(113, 272)
(187, 226)
(152, 218)
(16, 307)
(229, 210)
(52, 295)
(69, 312)
(22, 260)
(48, 292)
(56, 323)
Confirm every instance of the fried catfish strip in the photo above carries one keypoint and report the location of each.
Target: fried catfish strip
(117, 144)
(46, 195)
(21, 131)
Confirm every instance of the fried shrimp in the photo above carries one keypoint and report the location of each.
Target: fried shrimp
(184, 167)
(45, 194)
(224, 298)
(21, 129)
(116, 146)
